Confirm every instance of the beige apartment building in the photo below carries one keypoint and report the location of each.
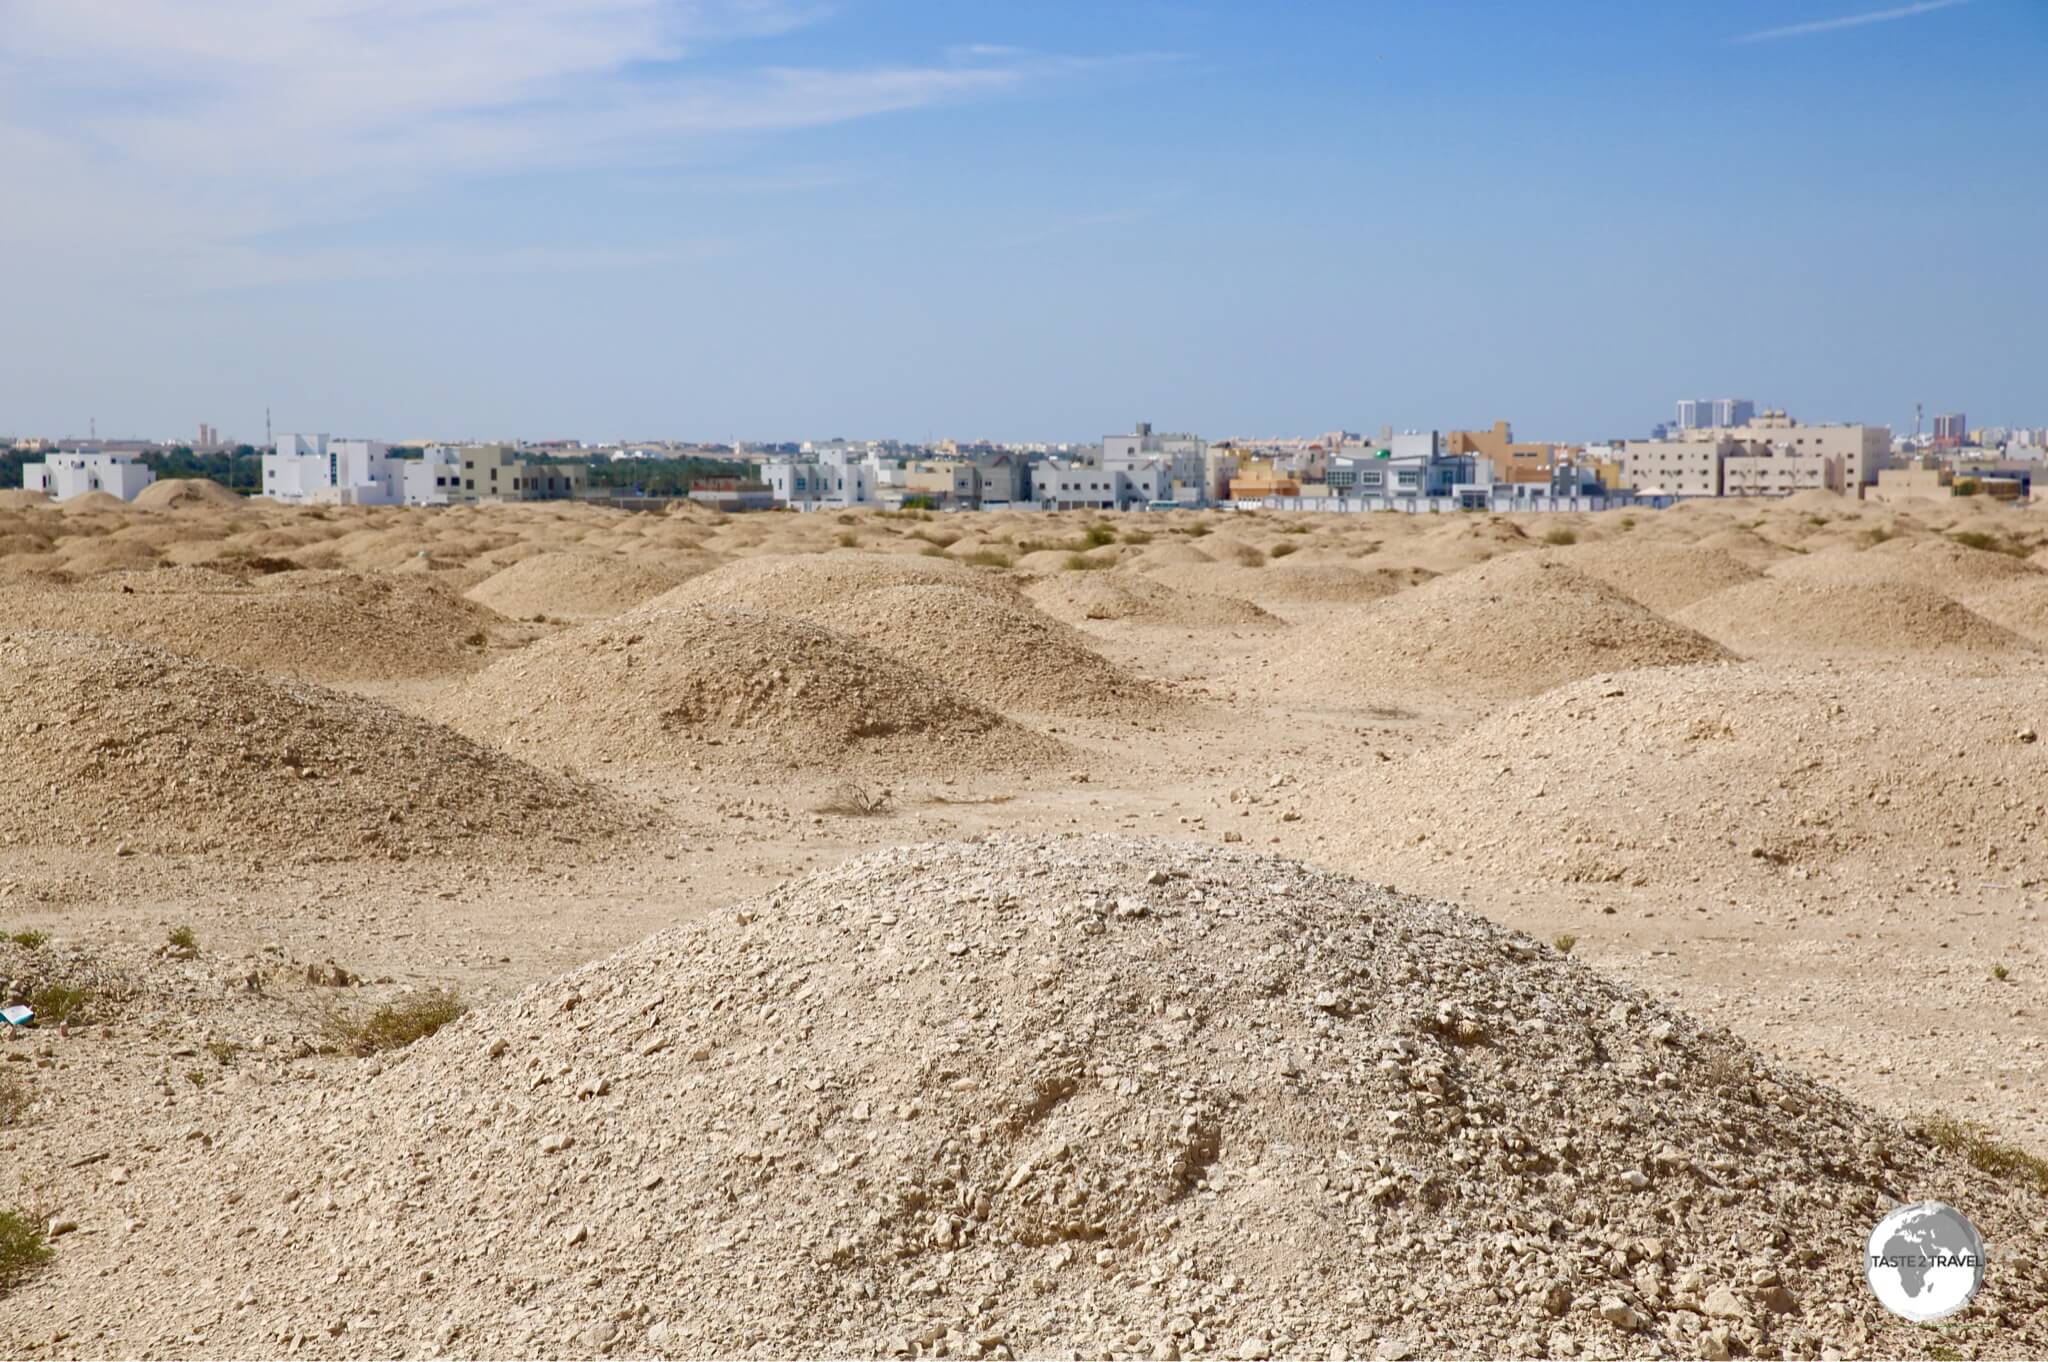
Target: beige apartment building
(1773, 455)
(1677, 468)
(497, 473)
(1765, 471)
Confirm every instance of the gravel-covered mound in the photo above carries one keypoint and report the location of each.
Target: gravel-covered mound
(807, 584)
(1710, 774)
(105, 742)
(660, 687)
(1035, 1095)
(1128, 598)
(1772, 617)
(318, 626)
(573, 585)
(1511, 626)
(1662, 576)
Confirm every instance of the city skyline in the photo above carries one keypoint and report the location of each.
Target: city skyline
(757, 222)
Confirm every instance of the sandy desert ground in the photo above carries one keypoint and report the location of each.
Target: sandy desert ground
(1153, 935)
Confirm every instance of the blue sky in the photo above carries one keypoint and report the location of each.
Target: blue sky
(629, 218)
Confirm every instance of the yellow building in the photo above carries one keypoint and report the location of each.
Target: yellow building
(1511, 462)
(1256, 478)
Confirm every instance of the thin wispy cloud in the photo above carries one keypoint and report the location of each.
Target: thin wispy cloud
(237, 119)
(1876, 16)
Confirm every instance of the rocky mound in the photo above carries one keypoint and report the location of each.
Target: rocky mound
(1004, 654)
(1665, 776)
(1663, 577)
(1033, 1096)
(1776, 617)
(106, 742)
(2020, 605)
(322, 626)
(659, 688)
(175, 494)
(806, 585)
(1511, 626)
(572, 586)
(1126, 598)
(1934, 563)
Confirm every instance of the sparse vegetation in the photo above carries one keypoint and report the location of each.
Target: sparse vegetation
(1564, 941)
(932, 551)
(223, 1051)
(1986, 1153)
(57, 1004)
(2000, 973)
(1879, 534)
(396, 1025)
(1628, 522)
(1989, 543)
(28, 938)
(182, 938)
(989, 558)
(1561, 537)
(1136, 536)
(23, 1249)
(851, 799)
(477, 639)
(1099, 535)
(196, 1077)
(847, 539)
(1282, 550)
(1081, 562)
(1727, 1073)
(15, 1100)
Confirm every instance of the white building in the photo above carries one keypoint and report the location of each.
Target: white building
(312, 469)
(68, 475)
(433, 479)
(1184, 459)
(839, 476)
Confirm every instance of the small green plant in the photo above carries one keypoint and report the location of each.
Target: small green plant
(1282, 550)
(398, 1024)
(847, 540)
(23, 1248)
(28, 937)
(223, 1051)
(920, 503)
(477, 639)
(1564, 941)
(1986, 1153)
(1079, 562)
(2000, 973)
(989, 558)
(1096, 536)
(1561, 537)
(183, 938)
(1137, 536)
(1879, 534)
(59, 1003)
(1628, 522)
(1816, 520)
(196, 1077)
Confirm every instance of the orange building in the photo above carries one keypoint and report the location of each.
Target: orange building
(1511, 462)
(1257, 478)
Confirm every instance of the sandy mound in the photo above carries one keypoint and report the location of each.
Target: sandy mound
(1662, 776)
(1936, 563)
(803, 585)
(572, 585)
(92, 503)
(1013, 1095)
(173, 494)
(19, 499)
(324, 626)
(1511, 626)
(1005, 655)
(2020, 605)
(1744, 545)
(1772, 616)
(662, 687)
(105, 742)
(1123, 597)
(1287, 582)
(1663, 577)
